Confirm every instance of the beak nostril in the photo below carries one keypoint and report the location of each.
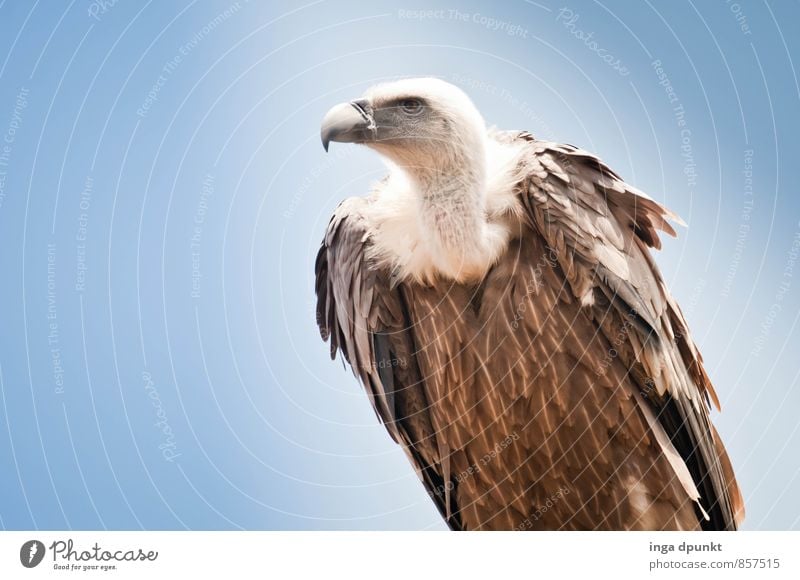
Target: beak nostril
(362, 106)
(365, 110)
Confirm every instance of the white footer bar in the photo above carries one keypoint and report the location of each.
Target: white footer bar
(389, 555)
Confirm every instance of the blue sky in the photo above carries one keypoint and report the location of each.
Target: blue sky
(163, 192)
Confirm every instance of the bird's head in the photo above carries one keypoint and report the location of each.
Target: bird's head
(418, 123)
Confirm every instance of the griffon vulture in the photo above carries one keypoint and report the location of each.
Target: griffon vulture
(496, 296)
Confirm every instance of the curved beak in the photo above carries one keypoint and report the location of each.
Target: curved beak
(348, 123)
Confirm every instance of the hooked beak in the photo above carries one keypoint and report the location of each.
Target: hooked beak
(348, 123)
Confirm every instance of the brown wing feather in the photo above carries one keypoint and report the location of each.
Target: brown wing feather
(364, 317)
(600, 229)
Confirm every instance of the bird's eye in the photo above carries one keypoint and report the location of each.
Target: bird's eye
(411, 106)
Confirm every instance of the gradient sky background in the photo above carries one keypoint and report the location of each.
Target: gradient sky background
(163, 192)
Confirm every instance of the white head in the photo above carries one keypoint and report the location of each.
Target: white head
(426, 126)
(431, 217)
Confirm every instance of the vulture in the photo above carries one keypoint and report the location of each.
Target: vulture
(496, 296)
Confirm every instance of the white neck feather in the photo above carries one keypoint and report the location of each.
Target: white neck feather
(451, 209)
(446, 215)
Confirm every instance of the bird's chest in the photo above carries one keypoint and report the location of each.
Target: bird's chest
(482, 347)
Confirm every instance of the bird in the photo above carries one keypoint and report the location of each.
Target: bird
(496, 296)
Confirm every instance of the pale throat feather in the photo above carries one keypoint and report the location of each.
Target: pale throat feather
(451, 208)
(434, 216)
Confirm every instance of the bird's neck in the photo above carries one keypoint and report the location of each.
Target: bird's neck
(450, 193)
(451, 199)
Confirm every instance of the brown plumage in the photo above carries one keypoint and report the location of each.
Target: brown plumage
(560, 388)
